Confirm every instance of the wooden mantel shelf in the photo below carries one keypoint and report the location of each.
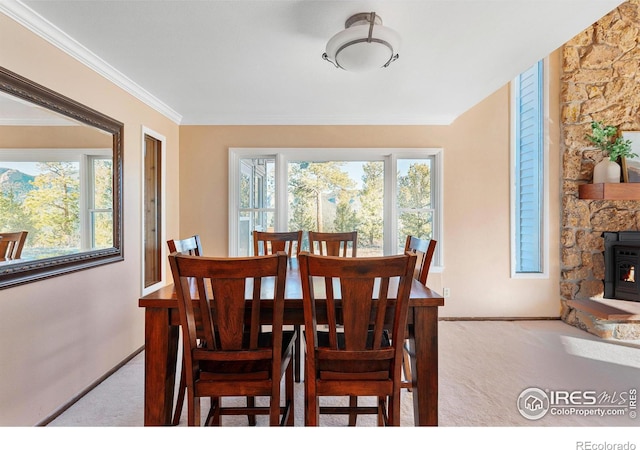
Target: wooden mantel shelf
(609, 191)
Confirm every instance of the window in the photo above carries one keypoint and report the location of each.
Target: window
(62, 197)
(529, 173)
(384, 194)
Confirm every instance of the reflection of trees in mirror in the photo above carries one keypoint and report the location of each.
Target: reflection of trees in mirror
(62, 214)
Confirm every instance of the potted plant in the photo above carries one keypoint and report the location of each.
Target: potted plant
(606, 138)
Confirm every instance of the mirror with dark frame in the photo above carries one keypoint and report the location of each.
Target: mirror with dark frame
(60, 181)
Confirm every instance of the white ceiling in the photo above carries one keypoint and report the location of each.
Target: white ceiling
(259, 62)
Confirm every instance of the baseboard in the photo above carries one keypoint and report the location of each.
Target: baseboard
(71, 402)
(495, 319)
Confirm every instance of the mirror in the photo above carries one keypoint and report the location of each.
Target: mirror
(57, 155)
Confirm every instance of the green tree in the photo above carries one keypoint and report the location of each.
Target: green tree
(310, 185)
(12, 215)
(54, 206)
(103, 199)
(414, 196)
(370, 217)
(346, 216)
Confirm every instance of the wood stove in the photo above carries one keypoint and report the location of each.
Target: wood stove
(622, 265)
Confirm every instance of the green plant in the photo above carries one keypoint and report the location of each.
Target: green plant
(606, 138)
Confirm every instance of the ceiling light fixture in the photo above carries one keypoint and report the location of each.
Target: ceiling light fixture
(363, 45)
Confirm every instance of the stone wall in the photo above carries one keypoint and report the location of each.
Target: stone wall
(600, 81)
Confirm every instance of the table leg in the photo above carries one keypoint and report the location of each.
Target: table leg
(161, 346)
(423, 343)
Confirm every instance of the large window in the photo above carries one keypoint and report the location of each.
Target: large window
(529, 177)
(384, 194)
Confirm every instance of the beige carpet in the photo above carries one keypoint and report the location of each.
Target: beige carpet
(484, 367)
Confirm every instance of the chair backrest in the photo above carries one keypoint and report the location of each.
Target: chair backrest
(270, 243)
(187, 246)
(359, 292)
(227, 292)
(333, 244)
(423, 249)
(11, 244)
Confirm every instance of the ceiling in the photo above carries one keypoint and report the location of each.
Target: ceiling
(259, 62)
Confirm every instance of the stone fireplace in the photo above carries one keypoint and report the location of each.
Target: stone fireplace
(600, 80)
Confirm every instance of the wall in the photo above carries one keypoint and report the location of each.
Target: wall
(60, 335)
(476, 238)
(600, 81)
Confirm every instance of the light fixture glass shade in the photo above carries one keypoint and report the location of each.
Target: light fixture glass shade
(361, 47)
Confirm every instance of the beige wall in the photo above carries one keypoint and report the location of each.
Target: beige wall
(476, 241)
(59, 335)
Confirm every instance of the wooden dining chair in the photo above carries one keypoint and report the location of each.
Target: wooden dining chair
(424, 250)
(357, 356)
(234, 357)
(333, 244)
(269, 243)
(187, 246)
(11, 244)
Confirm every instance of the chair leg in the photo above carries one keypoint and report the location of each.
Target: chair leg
(311, 407)
(382, 418)
(393, 416)
(193, 415)
(298, 352)
(406, 366)
(251, 403)
(182, 388)
(289, 395)
(353, 416)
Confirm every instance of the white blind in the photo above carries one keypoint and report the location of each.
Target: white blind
(529, 170)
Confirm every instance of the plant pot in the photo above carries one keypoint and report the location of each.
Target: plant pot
(606, 171)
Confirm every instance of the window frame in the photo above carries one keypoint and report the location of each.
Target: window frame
(543, 118)
(389, 156)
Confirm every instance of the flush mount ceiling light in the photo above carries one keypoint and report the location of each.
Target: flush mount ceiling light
(363, 45)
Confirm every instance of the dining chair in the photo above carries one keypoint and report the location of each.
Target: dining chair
(269, 243)
(333, 244)
(189, 246)
(11, 244)
(424, 250)
(234, 357)
(357, 356)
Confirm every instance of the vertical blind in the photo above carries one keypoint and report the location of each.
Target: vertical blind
(529, 170)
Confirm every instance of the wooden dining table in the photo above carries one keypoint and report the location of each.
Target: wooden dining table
(161, 347)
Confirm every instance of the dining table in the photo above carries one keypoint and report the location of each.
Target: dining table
(162, 325)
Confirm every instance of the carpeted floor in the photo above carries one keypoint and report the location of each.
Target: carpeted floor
(484, 366)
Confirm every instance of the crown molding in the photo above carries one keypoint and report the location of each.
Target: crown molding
(31, 20)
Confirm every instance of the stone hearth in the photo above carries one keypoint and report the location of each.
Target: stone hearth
(607, 318)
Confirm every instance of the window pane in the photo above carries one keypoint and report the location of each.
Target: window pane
(103, 186)
(415, 210)
(336, 196)
(102, 225)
